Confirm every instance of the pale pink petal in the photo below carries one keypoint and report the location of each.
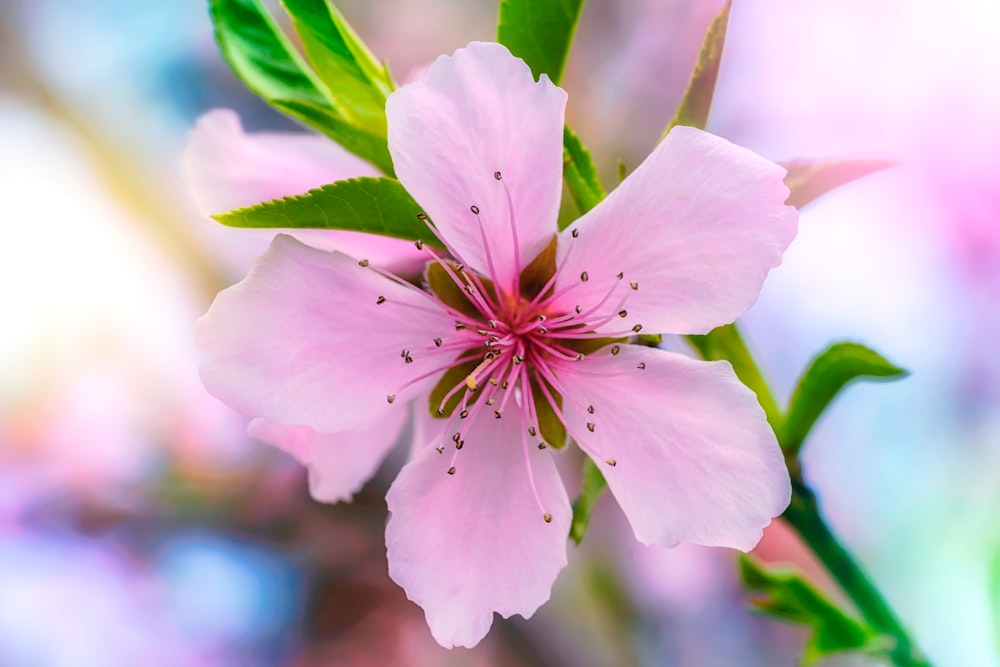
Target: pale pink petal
(480, 111)
(694, 457)
(339, 463)
(226, 168)
(697, 226)
(466, 545)
(302, 340)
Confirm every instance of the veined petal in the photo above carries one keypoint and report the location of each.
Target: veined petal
(694, 459)
(226, 168)
(339, 463)
(480, 112)
(304, 340)
(468, 544)
(697, 227)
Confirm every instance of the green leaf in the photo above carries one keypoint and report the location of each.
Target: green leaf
(264, 59)
(828, 373)
(357, 83)
(593, 486)
(789, 597)
(373, 205)
(539, 32)
(808, 180)
(725, 342)
(697, 101)
(580, 174)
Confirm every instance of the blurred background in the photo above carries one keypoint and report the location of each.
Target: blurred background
(140, 526)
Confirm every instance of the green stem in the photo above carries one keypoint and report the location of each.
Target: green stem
(804, 516)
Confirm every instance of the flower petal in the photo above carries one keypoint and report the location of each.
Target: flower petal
(339, 463)
(227, 168)
(480, 111)
(694, 457)
(302, 340)
(468, 544)
(697, 226)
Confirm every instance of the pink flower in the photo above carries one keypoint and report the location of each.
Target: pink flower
(518, 348)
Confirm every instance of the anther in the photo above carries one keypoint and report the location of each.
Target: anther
(579, 357)
(575, 233)
(451, 470)
(542, 330)
(474, 209)
(542, 445)
(497, 175)
(440, 411)
(496, 413)
(419, 243)
(463, 414)
(623, 313)
(634, 285)
(612, 462)
(457, 436)
(482, 332)
(469, 289)
(540, 318)
(578, 309)
(459, 268)
(615, 350)
(380, 300)
(531, 431)
(637, 328)
(641, 366)
(459, 326)
(460, 444)
(591, 426)
(405, 353)
(440, 450)
(504, 384)
(621, 274)
(437, 342)
(390, 398)
(494, 382)
(408, 359)
(584, 277)
(363, 262)
(421, 216)
(490, 401)
(590, 409)
(518, 360)
(493, 324)
(547, 517)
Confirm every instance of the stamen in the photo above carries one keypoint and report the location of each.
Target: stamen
(363, 263)
(451, 470)
(526, 392)
(516, 287)
(612, 462)
(380, 300)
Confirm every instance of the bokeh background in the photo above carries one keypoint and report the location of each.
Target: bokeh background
(140, 526)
